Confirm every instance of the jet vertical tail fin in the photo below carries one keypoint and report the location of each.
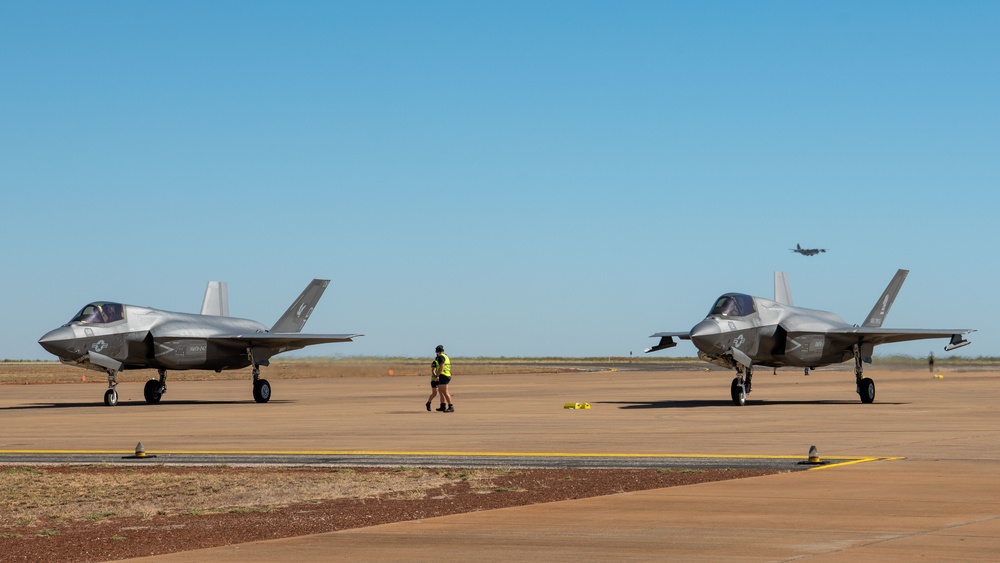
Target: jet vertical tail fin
(296, 316)
(881, 308)
(782, 290)
(216, 301)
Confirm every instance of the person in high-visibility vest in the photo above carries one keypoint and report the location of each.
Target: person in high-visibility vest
(443, 370)
(434, 386)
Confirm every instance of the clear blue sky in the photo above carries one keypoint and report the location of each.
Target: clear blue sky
(506, 178)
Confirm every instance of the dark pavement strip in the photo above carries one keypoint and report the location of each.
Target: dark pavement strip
(417, 459)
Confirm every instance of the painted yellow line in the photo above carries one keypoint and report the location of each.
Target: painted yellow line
(855, 461)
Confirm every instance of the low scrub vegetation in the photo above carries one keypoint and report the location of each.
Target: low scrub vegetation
(42, 496)
(29, 372)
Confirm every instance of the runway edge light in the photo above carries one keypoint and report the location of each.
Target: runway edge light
(813, 454)
(140, 453)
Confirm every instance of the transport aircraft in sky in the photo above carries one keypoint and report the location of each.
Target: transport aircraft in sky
(110, 337)
(742, 331)
(807, 251)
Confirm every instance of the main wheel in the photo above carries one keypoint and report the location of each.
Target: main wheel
(739, 395)
(152, 391)
(111, 397)
(261, 391)
(867, 390)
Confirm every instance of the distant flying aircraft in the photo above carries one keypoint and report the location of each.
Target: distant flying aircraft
(742, 331)
(807, 251)
(111, 337)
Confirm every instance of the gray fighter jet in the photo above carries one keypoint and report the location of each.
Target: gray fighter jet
(807, 251)
(742, 331)
(111, 337)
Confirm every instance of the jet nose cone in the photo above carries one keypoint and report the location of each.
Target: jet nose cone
(705, 328)
(57, 341)
(704, 335)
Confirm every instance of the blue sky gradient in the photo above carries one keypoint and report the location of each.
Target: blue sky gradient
(506, 178)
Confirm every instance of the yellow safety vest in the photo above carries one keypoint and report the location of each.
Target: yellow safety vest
(446, 368)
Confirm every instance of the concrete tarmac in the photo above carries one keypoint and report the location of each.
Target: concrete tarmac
(938, 501)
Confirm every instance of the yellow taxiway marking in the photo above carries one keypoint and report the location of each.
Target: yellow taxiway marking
(843, 460)
(850, 461)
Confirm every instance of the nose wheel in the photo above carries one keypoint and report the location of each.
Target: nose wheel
(738, 392)
(741, 386)
(111, 395)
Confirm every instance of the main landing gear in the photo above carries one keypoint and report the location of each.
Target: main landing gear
(741, 385)
(866, 387)
(261, 388)
(154, 390)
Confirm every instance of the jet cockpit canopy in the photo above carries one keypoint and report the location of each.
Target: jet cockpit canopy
(99, 313)
(733, 305)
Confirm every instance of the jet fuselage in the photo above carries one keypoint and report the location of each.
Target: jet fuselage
(767, 332)
(130, 339)
(110, 337)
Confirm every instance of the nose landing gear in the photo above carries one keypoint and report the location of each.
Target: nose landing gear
(741, 385)
(111, 397)
(112, 367)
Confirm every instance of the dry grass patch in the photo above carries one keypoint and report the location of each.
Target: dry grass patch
(30, 496)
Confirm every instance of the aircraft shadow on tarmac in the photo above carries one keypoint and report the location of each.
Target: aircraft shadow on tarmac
(39, 406)
(691, 404)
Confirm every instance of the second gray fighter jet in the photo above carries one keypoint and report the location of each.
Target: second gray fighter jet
(742, 331)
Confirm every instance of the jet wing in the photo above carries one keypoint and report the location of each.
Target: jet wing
(877, 335)
(282, 341)
(667, 340)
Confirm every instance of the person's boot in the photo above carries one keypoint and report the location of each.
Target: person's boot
(441, 408)
(428, 406)
(451, 408)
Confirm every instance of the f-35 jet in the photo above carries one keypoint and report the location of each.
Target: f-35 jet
(111, 337)
(742, 331)
(807, 251)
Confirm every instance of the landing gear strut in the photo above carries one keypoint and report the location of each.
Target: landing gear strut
(261, 388)
(154, 389)
(111, 395)
(866, 387)
(741, 385)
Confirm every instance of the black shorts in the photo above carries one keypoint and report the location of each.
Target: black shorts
(444, 379)
(434, 383)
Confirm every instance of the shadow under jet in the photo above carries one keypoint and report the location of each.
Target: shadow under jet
(43, 406)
